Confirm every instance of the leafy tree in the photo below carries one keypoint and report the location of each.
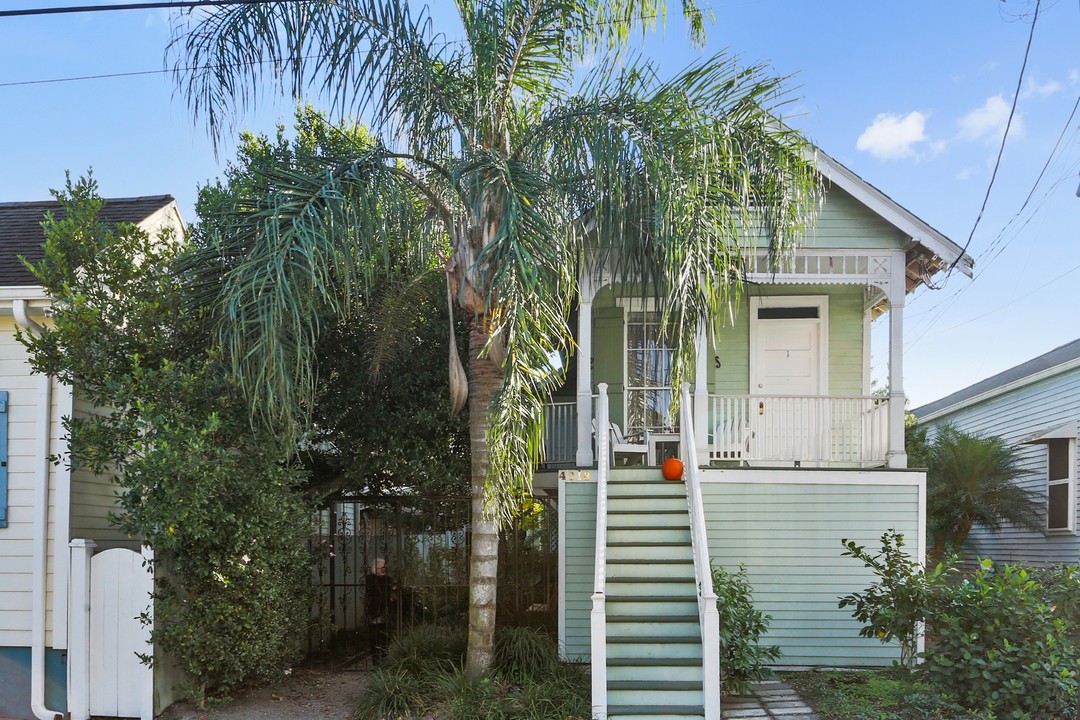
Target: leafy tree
(228, 528)
(375, 427)
(531, 179)
(971, 480)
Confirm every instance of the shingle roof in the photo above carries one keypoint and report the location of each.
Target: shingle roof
(21, 233)
(1057, 356)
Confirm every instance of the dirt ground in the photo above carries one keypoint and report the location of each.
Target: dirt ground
(315, 692)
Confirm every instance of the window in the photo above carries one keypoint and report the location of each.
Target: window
(1060, 484)
(649, 356)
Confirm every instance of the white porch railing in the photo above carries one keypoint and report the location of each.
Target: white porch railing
(832, 430)
(708, 615)
(598, 618)
(851, 430)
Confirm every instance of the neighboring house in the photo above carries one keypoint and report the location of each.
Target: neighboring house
(53, 518)
(787, 451)
(1035, 405)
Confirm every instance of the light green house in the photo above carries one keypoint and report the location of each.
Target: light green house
(787, 452)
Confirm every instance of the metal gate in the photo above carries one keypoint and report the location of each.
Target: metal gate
(424, 543)
(120, 588)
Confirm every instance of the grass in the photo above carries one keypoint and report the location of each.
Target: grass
(423, 676)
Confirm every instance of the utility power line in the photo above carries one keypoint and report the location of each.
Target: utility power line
(179, 4)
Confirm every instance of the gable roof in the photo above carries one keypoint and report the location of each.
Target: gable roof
(928, 251)
(1056, 361)
(21, 232)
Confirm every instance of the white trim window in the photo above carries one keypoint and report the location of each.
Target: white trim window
(649, 357)
(1061, 485)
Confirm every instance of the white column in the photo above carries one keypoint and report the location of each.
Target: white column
(701, 396)
(897, 292)
(584, 375)
(79, 629)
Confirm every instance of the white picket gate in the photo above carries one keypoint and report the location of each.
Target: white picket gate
(120, 587)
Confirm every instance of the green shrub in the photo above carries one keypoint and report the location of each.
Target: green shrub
(423, 676)
(743, 659)
(421, 647)
(524, 654)
(1000, 646)
(891, 608)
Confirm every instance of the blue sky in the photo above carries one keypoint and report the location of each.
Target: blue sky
(911, 96)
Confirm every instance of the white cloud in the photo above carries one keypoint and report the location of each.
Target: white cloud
(1032, 88)
(989, 120)
(963, 174)
(1074, 76)
(893, 136)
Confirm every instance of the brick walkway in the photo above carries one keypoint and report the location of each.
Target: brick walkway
(768, 700)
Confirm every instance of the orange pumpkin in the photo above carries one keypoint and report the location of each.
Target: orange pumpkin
(672, 469)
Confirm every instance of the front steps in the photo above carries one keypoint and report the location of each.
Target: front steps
(653, 634)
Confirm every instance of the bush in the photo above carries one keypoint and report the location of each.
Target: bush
(892, 608)
(524, 654)
(1002, 637)
(1000, 646)
(742, 658)
(423, 675)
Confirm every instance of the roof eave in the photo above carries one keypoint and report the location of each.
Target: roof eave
(919, 232)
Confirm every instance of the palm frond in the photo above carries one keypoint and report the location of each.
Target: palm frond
(304, 246)
(372, 57)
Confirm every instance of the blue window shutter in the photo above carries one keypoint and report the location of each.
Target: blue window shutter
(3, 459)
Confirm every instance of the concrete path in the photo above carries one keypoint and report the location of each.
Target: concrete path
(768, 700)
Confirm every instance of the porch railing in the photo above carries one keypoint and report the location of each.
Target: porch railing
(708, 615)
(832, 430)
(598, 616)
(848, 430)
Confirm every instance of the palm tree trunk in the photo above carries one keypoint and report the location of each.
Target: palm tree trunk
(485, 377)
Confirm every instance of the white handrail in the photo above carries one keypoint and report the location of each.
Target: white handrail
(598, 618)
(708, 615)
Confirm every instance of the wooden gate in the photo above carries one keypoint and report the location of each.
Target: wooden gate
(120, 588)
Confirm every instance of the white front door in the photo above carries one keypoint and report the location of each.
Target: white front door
(788, 363)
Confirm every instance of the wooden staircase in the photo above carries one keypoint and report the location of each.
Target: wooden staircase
(654, 668)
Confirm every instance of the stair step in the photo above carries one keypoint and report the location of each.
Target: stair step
(655, 598)
(680, 513)
(656, 697)
(647, 561)
(653, 618)
(656, 639)
(655, 579)
(655, 710)
(668, 543)
(654, 662)
(653, 685)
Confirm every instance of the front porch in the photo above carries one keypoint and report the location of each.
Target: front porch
(754, 430)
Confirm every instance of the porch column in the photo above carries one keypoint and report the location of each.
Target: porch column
(701, 396)
(584, 457)
(897, 292)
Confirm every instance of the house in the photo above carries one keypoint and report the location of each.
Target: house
(1035, 405)
(54, 520)
(787, 451)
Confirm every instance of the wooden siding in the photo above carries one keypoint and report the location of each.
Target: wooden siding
(93, 497)
(1017, 415)
(788, 534)
(16, 540)
(579, 553)
(844, 222)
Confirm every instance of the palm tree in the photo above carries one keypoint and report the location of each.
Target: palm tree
(540, 152)
(971, 480)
